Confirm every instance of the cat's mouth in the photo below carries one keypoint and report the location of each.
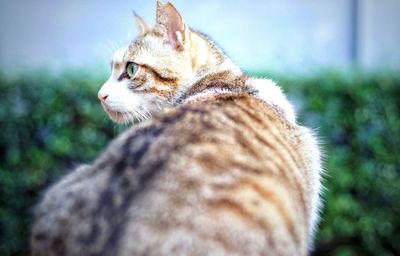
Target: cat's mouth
(115, 115)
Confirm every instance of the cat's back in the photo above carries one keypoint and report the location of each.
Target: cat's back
(225, 176)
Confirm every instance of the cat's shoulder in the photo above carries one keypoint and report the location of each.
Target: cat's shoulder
(269, 92)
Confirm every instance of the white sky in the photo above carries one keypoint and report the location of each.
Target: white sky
(281, 35)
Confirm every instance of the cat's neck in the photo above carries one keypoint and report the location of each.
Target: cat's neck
(215, 82)
(213, 71)
(228, 82)
(218, 75)
(207, 57)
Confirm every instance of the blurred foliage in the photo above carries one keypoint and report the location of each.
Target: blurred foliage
(358, 121)
(51, 124)
(48, 125)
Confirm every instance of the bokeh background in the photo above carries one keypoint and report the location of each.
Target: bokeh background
(339, 62)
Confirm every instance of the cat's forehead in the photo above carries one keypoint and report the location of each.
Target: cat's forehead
(143, 44)
(149, 50)
(118, 56)
(133, 49)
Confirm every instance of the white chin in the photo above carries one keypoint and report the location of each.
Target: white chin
(117, 116)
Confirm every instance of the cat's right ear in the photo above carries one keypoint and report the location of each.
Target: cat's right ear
(144, 28)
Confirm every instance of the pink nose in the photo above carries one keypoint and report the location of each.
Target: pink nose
(102, 97)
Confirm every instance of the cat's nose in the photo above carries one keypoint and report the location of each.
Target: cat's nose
(102, 96)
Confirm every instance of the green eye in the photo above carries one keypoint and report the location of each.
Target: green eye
(132, 69)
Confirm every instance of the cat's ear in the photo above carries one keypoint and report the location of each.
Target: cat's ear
(160, 4)
(144, 28)
(173, 25)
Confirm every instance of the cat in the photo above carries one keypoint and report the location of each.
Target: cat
(217, 164)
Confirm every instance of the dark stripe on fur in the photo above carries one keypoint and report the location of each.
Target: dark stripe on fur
(127, 186)
(159, 77)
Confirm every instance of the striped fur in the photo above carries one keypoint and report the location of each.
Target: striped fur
(222, 169)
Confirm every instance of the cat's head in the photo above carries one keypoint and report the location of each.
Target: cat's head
(154, 68)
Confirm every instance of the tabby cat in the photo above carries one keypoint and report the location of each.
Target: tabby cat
(218, 165)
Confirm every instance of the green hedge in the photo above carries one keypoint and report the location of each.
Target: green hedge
(358, 120)
(51, 124)
(48, 126)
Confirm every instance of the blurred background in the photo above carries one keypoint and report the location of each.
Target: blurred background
(278, 35)
(338, 61)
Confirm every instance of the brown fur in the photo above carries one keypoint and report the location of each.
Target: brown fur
(225, 174)
(221, 170)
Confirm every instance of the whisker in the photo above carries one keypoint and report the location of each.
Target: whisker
(136, 116)
(144, 113)
(124, 117)
(110, 47)
(133, 116)
(114, 46)
(137, 112)
(141, 115)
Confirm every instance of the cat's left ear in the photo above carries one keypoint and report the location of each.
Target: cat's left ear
(174, 27)
(144, 28)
